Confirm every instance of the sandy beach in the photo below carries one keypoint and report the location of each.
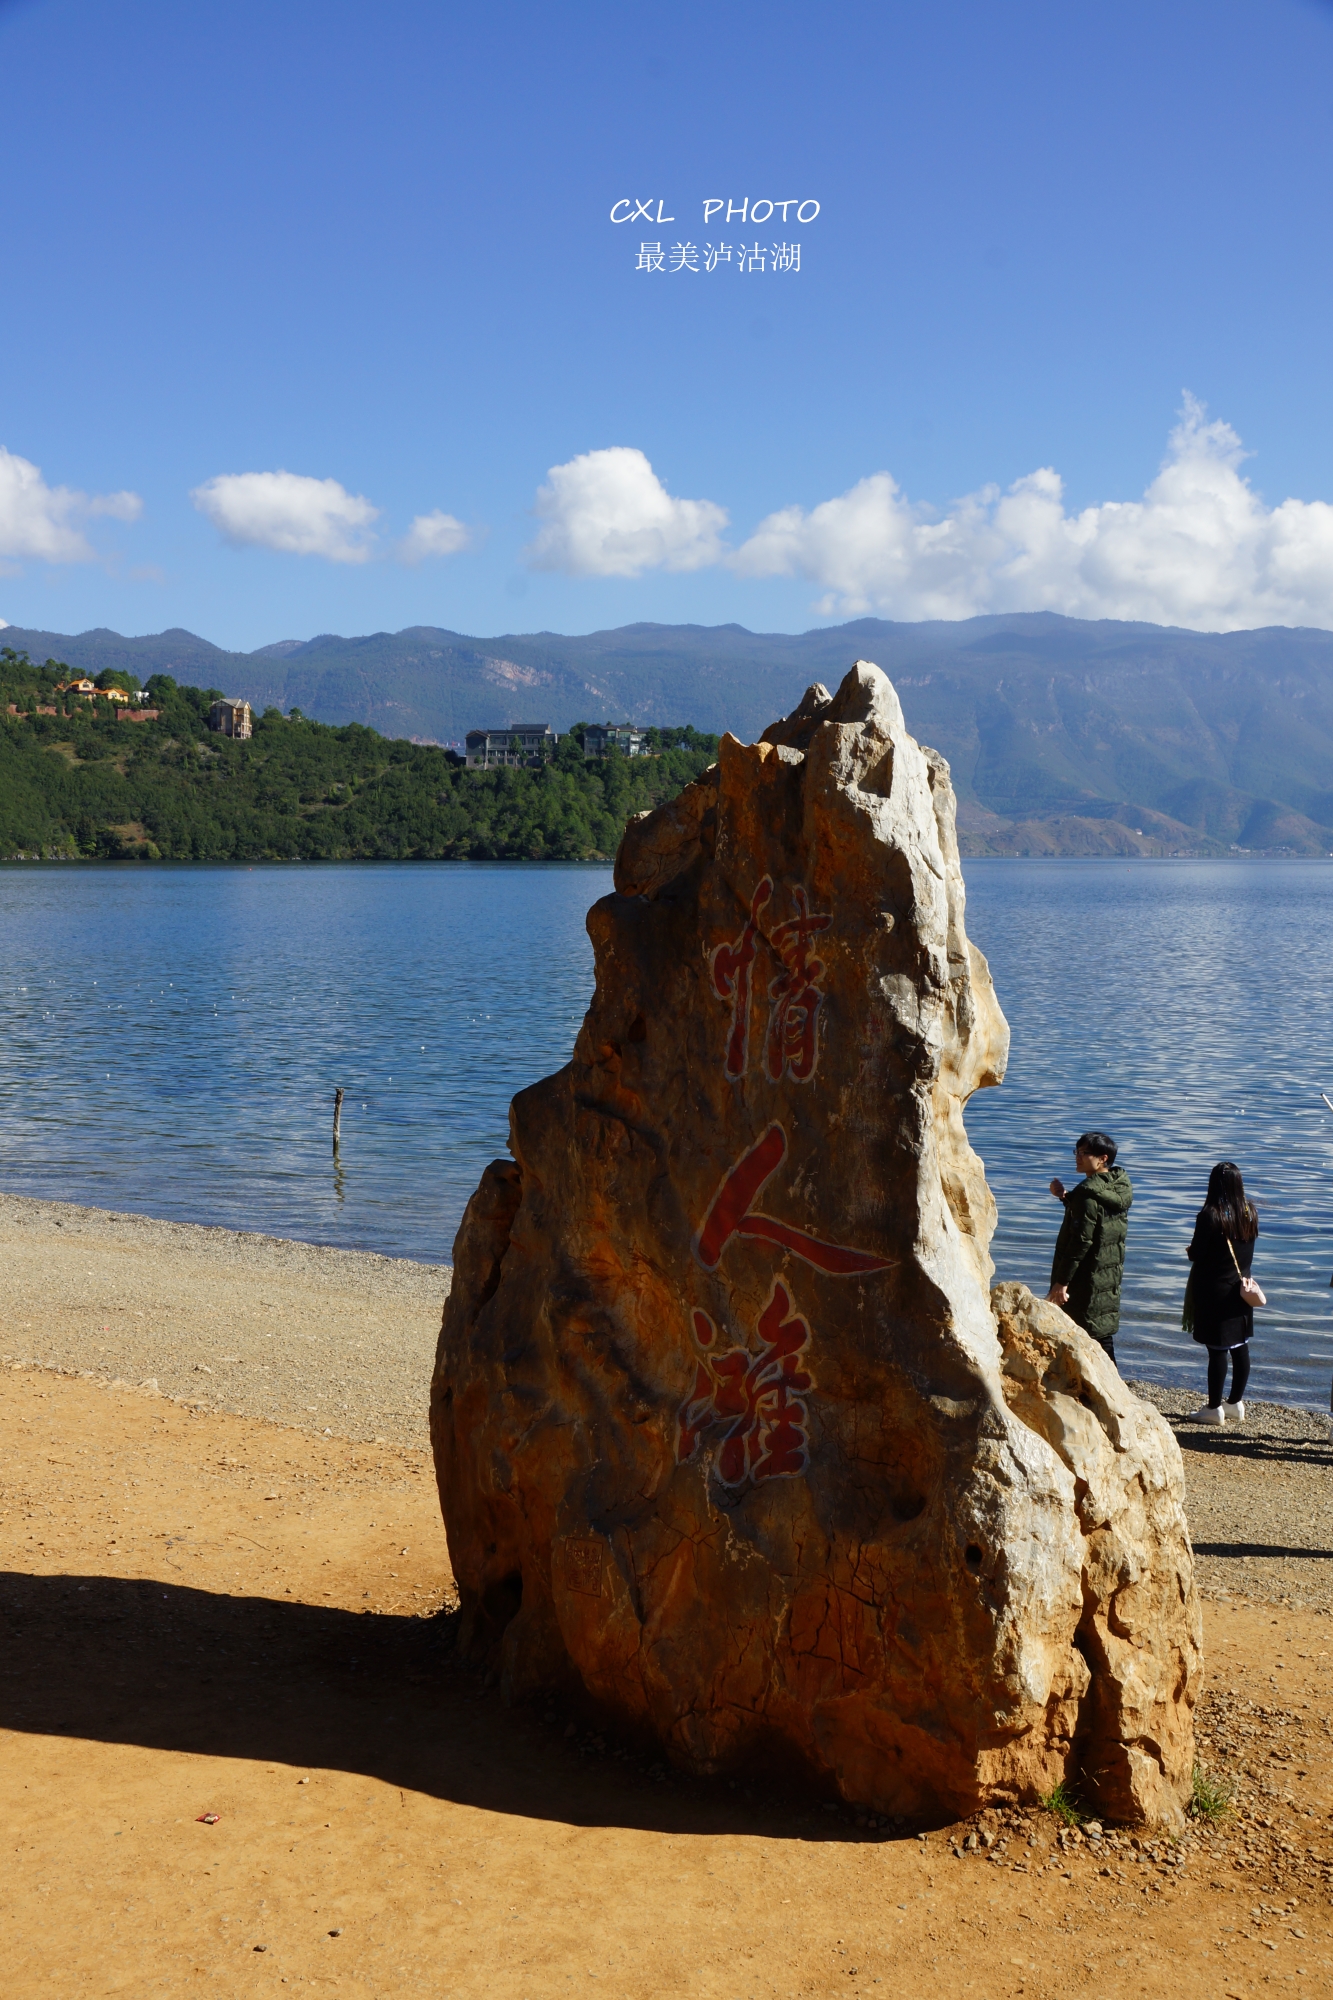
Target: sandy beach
(257, 1325)
(223, 1597)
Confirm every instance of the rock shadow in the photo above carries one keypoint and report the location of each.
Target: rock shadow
(1263, 1450)
(167, 1667)
(1267, 1550)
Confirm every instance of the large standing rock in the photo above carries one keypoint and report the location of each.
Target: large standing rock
(722, 1424)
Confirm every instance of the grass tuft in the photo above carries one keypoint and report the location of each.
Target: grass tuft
(1063, 1804)
(1213, 1797)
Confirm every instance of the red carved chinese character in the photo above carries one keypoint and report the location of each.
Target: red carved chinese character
(731, 1214)
(729, 967)
(758, 1396)
(796, 994)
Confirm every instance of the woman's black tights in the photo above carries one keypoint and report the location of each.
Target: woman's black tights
(1218, 1357)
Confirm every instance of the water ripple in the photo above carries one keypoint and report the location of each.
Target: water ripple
(1184, 1006)
(170, 1039)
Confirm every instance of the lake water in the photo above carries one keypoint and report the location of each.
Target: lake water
(170, 1039)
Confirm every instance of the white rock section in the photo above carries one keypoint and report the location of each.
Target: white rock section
(1141, 1629)
(1091, 1502)
(874, 767)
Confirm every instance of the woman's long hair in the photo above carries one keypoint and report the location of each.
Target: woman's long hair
(1226, 1205)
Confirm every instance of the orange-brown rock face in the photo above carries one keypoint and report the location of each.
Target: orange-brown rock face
(719, 1416)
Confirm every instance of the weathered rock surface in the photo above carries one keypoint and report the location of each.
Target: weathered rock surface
(1141, 1632)
(723, 1426)
(1141, 1627)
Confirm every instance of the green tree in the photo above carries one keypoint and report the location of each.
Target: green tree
(295, 790)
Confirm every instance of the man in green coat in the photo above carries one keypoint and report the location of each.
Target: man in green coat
(1090, 1249)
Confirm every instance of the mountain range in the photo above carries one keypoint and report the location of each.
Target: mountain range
(1065, 736)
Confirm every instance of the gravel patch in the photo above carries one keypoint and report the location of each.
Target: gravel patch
(1274, 1421)
(327, 1340)
(1260, 1499)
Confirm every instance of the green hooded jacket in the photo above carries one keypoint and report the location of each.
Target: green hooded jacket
(1090, 1250)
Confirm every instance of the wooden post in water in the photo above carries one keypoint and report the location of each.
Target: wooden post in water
(337, 1117)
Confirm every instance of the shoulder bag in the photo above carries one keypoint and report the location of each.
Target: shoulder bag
(1251, 1290)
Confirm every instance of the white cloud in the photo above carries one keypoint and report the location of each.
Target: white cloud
(434, 534)
(606, 513)
(42, 522)
(1200, 549)
(289, 512)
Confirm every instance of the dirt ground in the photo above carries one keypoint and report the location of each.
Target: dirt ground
(210, 1614)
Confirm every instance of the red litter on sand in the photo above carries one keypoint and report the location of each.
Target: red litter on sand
(209, 1819)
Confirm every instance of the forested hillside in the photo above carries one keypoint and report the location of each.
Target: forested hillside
(1064, 735)
(84, 781)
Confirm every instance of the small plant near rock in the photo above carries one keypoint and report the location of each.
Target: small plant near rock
(1063, 1804)
(1213, 1797)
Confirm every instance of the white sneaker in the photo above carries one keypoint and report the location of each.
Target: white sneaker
(1212, 1413)
(1236, 1412)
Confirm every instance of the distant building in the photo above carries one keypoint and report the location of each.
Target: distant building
(88, 689)
(522, 745)
(598, 738)
(231, 718)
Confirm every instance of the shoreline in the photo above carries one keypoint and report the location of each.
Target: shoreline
(341, 1344)
(595, 860)
(61, 1212)
(1181, 1406)
(602, 861)
(324, 1339)
(319, 1265)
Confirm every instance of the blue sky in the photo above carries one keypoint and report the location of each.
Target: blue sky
(372, 246)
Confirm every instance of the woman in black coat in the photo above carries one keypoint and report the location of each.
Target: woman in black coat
(1221, 1252)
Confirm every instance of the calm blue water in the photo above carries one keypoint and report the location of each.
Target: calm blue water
(1186, 1007)
(170, 1039)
